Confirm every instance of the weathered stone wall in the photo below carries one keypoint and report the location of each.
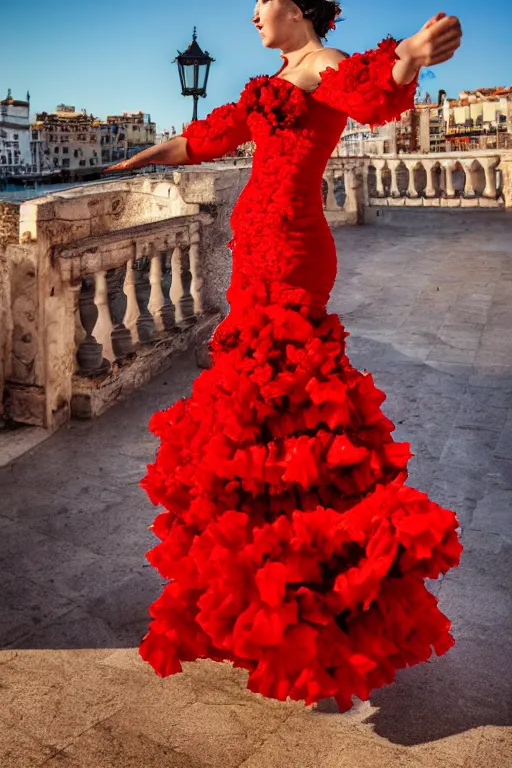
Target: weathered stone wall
(9, 222)
(9, 234)
(85, 231)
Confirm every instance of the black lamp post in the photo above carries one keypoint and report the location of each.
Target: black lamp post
(194, 68)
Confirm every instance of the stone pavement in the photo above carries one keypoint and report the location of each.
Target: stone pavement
(428, 302)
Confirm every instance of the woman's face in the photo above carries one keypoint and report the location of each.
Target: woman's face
(275, 21)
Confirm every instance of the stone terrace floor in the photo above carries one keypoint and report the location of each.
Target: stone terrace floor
(428, 302)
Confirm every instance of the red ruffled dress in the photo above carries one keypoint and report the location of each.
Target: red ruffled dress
(289, 541)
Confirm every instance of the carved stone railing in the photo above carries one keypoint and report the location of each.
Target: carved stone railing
(344, 198)
(139, 299)
(102, 283)
(107, 281)
(354, 184)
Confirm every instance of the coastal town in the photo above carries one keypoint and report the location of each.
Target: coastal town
(70, 145)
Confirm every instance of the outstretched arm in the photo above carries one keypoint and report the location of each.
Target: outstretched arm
(377, 86)
(171, 152)
(222, 131)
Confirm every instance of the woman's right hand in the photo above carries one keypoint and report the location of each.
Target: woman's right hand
(171, 152)
(125, 165)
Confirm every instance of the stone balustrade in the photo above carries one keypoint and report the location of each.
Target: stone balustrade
(106, 282)
(356, 184)
(99, 285)
(140, 298)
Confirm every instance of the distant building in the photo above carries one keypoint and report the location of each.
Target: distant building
(130, 132)
(79, 144)
(15, 155)
(66, 140)
(396, 136)
(359, 139)
(165, 135)
(480, 119)
(431, 136)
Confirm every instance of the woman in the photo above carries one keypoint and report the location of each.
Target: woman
(291, 545)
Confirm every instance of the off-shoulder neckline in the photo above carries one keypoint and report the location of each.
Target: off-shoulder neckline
(294, 85)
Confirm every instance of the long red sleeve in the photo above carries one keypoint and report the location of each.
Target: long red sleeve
(362, 86)
(222, 131)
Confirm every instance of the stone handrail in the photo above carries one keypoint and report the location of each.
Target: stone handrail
(355, 184)
(101, 283)
(106, 282)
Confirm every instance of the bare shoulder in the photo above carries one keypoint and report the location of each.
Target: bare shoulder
(327, 57)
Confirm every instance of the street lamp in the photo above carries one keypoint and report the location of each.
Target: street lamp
(194, 67)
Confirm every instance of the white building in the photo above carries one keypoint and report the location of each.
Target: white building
(15, 154)
(359, 139)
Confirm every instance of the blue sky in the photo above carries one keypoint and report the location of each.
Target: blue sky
(110, 57)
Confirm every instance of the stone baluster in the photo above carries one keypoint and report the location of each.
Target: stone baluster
(469, 180)
(330, 200)
(121, 337)
(103, 329)
(167, 312)
(156, 298)
(180, 294)
(352, 185)
(132, 308)
(411, 165)
(90, 353)
(430, 189)
(489, 165)
(176, 282)
(196, 267)
(80, 333)
(393, 166)
(186, 300)
(353, 203)
(146, 328)
(449, 167)
(380, 166)
(362, 175)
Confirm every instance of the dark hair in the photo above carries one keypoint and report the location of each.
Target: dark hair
(322, 14)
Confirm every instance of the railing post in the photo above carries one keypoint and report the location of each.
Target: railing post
(411, 186)
(489, 165)
(430, 190)
(196, 267)
(90, 353)
(393, 166)
(379, 165)
(449, 166)
(156, 298)
(103, 328)
(330, 202)
(121, 337)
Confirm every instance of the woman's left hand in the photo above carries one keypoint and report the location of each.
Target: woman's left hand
(436, 42)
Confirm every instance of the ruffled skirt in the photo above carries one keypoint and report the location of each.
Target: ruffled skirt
(290, 544)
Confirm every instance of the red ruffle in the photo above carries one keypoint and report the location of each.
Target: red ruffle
(225, 128)
(291, 545)
(363, 86)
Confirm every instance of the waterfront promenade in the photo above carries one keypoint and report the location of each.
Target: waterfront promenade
(428, 303)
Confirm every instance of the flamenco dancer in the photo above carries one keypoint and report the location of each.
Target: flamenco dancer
(290, 544)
